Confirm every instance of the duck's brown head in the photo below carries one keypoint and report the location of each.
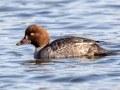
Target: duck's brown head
(35, 35)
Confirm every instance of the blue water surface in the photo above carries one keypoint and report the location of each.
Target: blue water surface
(94, 19)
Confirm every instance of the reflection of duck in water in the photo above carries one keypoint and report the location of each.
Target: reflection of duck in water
(60, 48)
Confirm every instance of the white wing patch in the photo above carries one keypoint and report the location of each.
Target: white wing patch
(82, 43)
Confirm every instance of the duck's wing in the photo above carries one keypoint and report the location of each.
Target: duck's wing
(75, 46)
(62, 42)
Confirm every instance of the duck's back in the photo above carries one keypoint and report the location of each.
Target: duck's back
(72, 47)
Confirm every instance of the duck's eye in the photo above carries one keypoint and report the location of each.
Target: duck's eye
(31, 34)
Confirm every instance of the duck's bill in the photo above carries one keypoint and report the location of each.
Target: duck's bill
(23, 41)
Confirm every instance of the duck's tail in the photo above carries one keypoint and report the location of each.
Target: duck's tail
(101, 51)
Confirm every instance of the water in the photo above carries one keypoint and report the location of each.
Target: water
(94, 19)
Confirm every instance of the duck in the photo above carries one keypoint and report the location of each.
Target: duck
(65, 47)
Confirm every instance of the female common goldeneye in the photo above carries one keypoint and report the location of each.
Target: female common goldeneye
(60, 48)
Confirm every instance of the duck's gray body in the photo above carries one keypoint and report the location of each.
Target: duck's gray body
(70, 47)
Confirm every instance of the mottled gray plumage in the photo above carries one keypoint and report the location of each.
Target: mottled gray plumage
(71, 47)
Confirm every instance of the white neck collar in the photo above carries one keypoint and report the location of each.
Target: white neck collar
(37, 49)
